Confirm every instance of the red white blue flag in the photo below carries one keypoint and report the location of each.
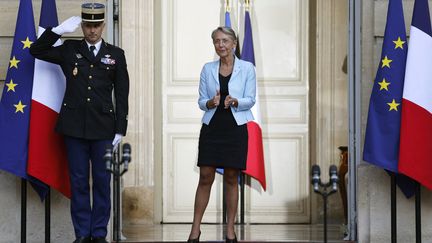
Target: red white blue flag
(47, 152)
(415, 158)
(255, 166)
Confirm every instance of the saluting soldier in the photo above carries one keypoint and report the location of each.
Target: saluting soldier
(88, 118)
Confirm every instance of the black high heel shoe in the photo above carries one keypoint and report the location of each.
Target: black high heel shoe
(231, 240)
(196, 240)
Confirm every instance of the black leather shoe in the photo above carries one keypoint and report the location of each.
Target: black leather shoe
(99, 240)
(231, 240)
(82, 240)
(194, 240)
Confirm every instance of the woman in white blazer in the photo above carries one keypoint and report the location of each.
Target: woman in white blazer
(227, 92)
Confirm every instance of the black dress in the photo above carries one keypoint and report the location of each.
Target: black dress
(222, 143)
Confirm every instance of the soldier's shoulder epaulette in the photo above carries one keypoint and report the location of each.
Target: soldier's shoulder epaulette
(108, 45)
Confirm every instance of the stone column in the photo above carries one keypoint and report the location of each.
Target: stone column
(136, 38)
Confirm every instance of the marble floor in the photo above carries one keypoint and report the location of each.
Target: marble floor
(245, 233)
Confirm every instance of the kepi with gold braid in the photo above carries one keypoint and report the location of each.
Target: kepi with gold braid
(93, 12)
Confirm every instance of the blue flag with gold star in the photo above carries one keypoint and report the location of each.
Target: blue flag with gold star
(16, 99)
(381, 145)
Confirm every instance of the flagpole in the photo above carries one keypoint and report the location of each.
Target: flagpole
(48, 216)
(247, 3)
(23, 210)
(393, 208)
(418, 212)
(242, 174)
(242, 197)
(224, 206)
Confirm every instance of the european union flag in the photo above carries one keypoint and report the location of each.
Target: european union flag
(16, 99)
(383, 125)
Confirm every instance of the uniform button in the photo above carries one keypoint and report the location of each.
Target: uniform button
(110, 110)
(107, 68)
(91, 65)
(90, 77)
(88, 99)
(64, 104)
(89, 88)
(76, 64)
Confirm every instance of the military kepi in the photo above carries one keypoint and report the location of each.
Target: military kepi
(93, 12)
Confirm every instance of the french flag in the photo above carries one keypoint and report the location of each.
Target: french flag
(255, 158)
(415, 149)
(47, 153)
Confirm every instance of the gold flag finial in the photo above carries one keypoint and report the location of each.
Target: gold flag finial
(247, 4)
(227, 6)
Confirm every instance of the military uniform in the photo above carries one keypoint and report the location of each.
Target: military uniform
(88, 119)
(87, 111)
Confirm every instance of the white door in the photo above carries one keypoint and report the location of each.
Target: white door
(281, 52)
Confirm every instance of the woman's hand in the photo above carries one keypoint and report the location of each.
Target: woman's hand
(214, 102)
(230, 101)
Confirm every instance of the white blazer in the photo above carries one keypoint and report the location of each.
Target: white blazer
(241, 86)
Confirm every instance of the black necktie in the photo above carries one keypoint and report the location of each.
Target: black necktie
(92, 48)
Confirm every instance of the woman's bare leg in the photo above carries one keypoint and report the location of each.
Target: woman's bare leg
(231, 197)
(207, 175)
